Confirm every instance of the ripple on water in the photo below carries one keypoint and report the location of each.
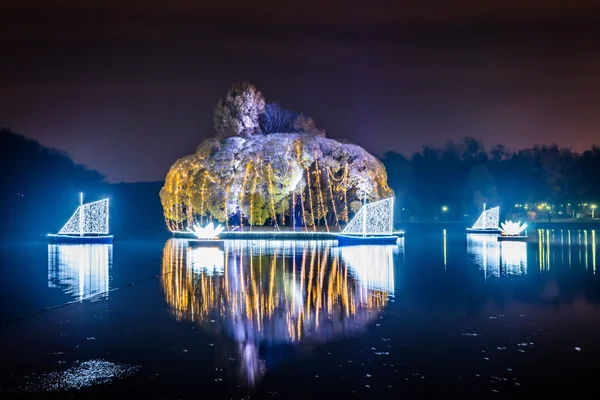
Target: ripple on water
(80, 375)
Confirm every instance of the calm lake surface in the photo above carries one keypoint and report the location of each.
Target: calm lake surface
(440, 313)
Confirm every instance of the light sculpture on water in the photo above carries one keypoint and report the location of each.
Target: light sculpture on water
(375, 218)
(488, 219)
(208, 232)
(513, 228)
(90, 218)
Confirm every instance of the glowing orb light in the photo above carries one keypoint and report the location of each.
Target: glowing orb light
(512, 228)
(208, 232)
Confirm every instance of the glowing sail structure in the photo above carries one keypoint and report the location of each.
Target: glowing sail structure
(373, 223)
(487, 222)
(89, 223)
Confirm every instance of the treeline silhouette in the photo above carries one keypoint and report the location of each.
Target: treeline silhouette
(464, 175)
(41, 186)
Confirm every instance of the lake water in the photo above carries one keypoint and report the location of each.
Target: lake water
(440, 313)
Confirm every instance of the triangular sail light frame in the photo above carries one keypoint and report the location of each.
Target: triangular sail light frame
(376, 218)
(93, 221)
(489, 219)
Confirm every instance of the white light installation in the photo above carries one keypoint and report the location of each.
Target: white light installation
(488, 219)
(372, 266)
(512, 228)
(513, 257)
(90, 218)
(210, 260)
(375, 218)
(80, 270)
(208, 232)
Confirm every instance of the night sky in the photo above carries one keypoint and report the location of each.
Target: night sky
(128, 88)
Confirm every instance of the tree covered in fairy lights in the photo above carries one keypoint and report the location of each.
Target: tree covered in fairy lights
(250, 174)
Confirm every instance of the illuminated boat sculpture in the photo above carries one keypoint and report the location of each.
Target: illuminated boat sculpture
(372, 224)
(511, 231)
(88, 224)
(487, 222)
(207, 236)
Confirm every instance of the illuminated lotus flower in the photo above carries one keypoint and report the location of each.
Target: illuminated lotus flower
(208, 232)
(512, 228)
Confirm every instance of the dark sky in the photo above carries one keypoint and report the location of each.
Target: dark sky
(127, 88)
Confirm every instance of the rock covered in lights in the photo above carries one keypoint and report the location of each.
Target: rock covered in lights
(233, 175)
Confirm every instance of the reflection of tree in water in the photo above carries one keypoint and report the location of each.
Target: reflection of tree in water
(270, 294)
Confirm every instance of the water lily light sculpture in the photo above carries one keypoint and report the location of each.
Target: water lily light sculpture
(208, 232)
(512, 228)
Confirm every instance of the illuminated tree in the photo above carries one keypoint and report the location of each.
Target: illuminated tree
(260, 178)
(237, 115)
(291, 170)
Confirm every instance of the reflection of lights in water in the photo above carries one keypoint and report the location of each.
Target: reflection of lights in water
(445, 248)
(288, 292)
(513, 256)
(498, 258)
(485, 250)
(80, 270)
(372, 266)
(594, 250)
(208, 259)
(581, 241)
(585, 247)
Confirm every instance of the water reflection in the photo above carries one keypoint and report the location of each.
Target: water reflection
(497, 258)
(289, 292)
(79, 270)
(576, 248)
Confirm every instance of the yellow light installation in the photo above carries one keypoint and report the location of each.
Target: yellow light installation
(312, 210)
(271, 194)
(196, 185)
(318, 183)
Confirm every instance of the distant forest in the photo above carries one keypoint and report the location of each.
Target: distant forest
(463, 176)
(41, 186)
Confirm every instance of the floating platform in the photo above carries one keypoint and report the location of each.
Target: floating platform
(76, 239)
(278, 235)
(349, 240)
(195, 243)
(512, 238)
(484, 231)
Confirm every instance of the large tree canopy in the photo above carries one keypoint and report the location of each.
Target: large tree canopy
(252, 174)
(261, 178)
